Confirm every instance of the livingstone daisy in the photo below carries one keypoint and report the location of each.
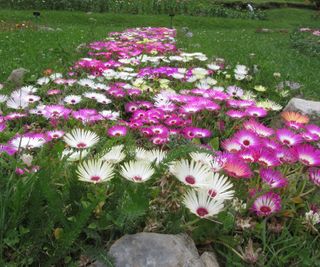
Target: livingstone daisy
(191, 173)
(288, 137)
(308, 155)
(203, 158)
(219, 187)
(201, 204)
(114, 155)
(81, 139)
(291, 116)
(314, 175)
(117, 130)
(237, 168)
(95, 171)
(267, 204)
(273, 178)
(137, 171)
(74, 154)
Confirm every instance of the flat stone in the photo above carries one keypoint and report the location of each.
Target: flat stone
(307, 107)
(209, 259)
(157, 250)
(16, 77)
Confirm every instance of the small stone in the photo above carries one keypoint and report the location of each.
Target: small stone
(46, 29)
(81, 47)
(189, 34)
(209, 259)
(16, 77)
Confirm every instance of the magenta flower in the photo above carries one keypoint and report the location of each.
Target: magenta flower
(237, 168)
(258, 128)
(256, 112)
(288, 137)
(236, 114)
(273, 178)
(56, 111)
(267, 204)
(314, 175)
(231, 145)
(246, 139)
(117, 130)
(308, 155)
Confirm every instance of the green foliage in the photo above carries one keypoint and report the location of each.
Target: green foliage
(306, 42)
(186, 7)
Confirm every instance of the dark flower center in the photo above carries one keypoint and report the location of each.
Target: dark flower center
(202, 212)
(190, 179)
(212, 193)
(265, 209)
(137, 178)
(81, 145)
(95, 178)
(246, 142)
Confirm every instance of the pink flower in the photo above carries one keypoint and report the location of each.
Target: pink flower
(314, 175)
(273, 178)
(117, 130)
(288, 138)
(308, 155)
(237, 168)
(267, 204)
(246, 139)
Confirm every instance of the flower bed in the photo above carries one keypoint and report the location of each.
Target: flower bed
(165, 141)
(306, 40)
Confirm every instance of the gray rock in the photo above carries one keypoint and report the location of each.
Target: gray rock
(16, 77)
(46, 29)
(81, 47)
(209, 259)
(307, 107)
(157, 250)
(189, 34)
(185, 29)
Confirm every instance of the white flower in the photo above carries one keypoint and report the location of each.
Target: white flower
(137, 171)
(238, 204)
(155, 155)
(312, 217)
(72, 99)
(219, 187)
(43, 81)
(203, 158)
(86, 83)
(27, 142)
(81, 139)
(114, 155)
(190, 173)
(110, 115)
(27, 159)
(201, 204)
(3, 98)
(17, 103)
(95, 171)
(73, 154)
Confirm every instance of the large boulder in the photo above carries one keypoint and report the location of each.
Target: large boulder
(158, 250)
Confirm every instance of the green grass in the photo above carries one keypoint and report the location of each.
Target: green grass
(232, 39)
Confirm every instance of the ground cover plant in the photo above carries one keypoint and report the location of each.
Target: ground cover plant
(307, 40)
(139, 135)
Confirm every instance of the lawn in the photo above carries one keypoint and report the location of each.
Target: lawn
(232, 39)
(137, 134)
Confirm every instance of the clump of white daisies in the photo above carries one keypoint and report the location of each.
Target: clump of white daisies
(207, 190)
